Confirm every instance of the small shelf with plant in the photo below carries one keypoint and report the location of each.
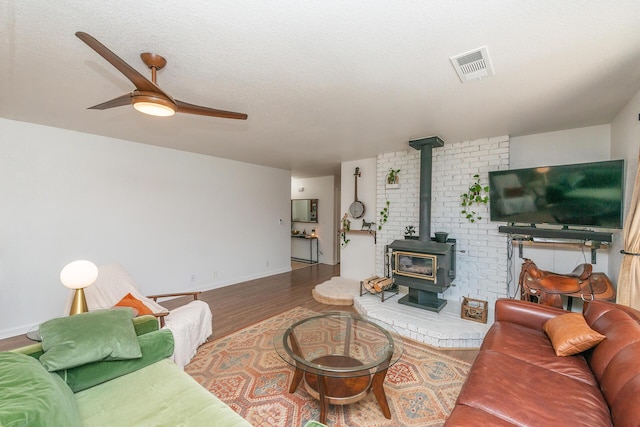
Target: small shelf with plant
(346, 229)
(393, 179)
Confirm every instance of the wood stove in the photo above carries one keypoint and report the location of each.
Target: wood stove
(425, 266)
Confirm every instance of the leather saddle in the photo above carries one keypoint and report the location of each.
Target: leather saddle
(547, 288)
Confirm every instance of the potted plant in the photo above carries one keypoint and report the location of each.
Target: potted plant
(409, 232)
(392, 176)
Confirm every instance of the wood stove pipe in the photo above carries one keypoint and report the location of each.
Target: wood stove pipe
(425, 146)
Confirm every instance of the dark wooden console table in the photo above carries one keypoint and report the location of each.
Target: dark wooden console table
(311, 239)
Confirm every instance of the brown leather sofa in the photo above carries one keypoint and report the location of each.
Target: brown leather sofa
(517, 379)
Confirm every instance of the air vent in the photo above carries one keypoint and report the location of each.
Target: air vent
(472, 65)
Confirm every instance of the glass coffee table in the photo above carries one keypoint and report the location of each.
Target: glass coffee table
(340, 356)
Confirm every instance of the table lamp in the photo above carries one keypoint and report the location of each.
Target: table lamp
(78, 275)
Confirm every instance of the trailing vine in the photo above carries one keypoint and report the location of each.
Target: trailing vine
(346, 226)
(477, 194)
(384, 215)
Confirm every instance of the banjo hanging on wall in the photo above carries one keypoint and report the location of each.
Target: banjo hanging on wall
(356, 210)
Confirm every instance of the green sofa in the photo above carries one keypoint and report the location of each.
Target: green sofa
(148, 390)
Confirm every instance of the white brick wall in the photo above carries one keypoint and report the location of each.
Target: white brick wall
(482, 252)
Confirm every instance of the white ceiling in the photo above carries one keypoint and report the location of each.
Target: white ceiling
(322, 81)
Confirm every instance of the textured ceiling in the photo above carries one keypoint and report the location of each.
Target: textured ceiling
(322, 81)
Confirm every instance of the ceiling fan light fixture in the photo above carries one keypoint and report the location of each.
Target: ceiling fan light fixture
(148, 98)
(153, 105)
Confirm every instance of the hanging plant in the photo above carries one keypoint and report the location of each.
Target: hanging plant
(384, 215)
(392, 176)
(346, 226)
(476, 195)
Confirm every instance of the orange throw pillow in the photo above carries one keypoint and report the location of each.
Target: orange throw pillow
(570, 334)
(133, 302)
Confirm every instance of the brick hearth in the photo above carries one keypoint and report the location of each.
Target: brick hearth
(445, 329)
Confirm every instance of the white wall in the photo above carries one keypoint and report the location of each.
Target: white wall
(581, 145)
(164, 214)
(357, 258)
(588, 144)
(625, 143)
(322, 189)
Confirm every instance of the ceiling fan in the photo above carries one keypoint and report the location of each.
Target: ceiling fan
(148, 98)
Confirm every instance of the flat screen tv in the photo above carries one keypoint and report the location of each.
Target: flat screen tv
(582, 195)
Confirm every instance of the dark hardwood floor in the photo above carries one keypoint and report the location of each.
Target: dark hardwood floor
(238, 306)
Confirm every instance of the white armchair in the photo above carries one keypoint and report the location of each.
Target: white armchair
(191, 324)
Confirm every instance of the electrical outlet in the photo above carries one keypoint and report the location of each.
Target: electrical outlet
(215, 274)
(193, 277)
(267, 264)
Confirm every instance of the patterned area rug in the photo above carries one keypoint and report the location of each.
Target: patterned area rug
(246, 373)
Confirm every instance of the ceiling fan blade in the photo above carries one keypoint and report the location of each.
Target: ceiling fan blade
(184, 107)
(115, 102)
(140, 81)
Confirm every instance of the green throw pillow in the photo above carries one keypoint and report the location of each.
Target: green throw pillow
(73, 341)
(31, 396)
(156, 345)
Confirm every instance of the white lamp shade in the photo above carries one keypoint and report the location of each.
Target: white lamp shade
(79, 274)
